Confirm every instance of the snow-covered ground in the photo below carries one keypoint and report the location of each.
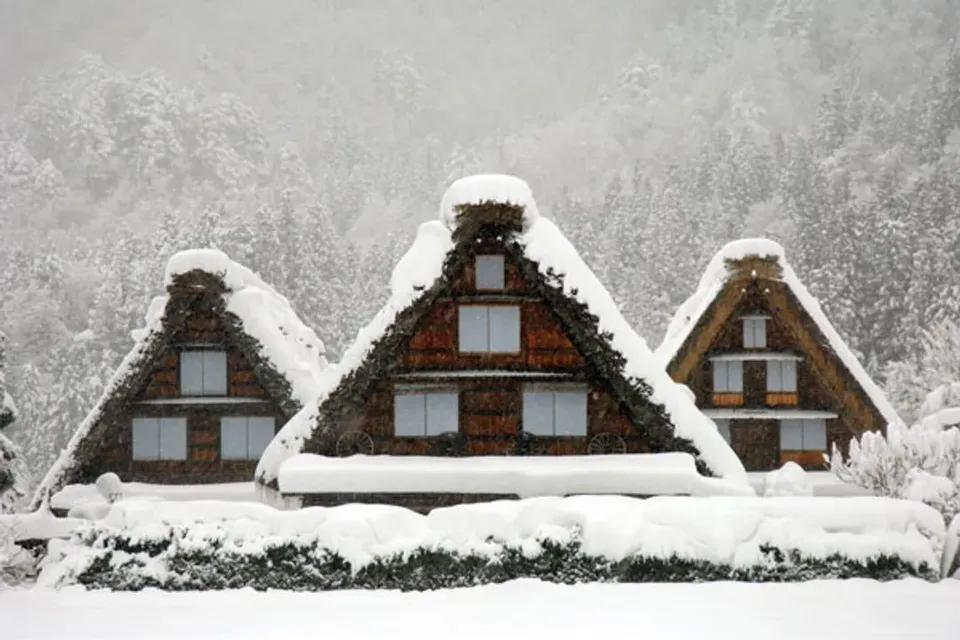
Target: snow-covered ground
(524, 609)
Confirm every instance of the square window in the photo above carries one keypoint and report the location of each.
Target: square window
(420, 411)
(489, 329)
(159, 438)
(728, 376)
(754, 333)
(203, 373)
(782, 376)
(555, 410)
(808, 434)
(490, 272)
(245, 438)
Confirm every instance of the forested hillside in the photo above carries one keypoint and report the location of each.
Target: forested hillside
(307, 138)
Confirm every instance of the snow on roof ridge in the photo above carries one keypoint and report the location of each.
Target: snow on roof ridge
(715, 276)
(292, 348)
(544, 244)
(488, 187)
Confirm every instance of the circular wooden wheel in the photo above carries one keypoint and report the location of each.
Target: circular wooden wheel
(604, 443)
(354, 443)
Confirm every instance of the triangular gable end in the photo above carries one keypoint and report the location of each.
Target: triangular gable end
(547, 265)
(195, 311)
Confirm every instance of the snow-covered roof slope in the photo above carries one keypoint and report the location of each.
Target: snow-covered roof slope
(286, 345)
(542, 243)
(713, 281)
(641, 474)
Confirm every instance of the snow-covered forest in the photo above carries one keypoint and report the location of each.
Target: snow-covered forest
(307, 138)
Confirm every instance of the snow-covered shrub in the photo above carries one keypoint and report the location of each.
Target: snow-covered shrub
(951, 550)
(788, 480)
(913, 463)
(16, 563)
(14, 476)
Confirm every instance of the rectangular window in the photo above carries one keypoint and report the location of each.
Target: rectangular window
(203, 373)
(728, 376)
(159, 438)
(808, 434)
(489, 329)
(782, 376)
(422, 410)
(555, 410)
(755, 333)
(244, 438)
(723, 426)
(490, 273)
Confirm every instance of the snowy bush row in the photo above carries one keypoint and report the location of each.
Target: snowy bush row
(183, 546)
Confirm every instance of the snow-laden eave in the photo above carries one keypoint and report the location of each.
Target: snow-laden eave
(712, 283)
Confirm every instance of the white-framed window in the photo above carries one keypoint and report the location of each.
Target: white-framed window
(728, 376)
(245, 438)
(203, 373)
(807, 434)
(425, 410)
(782, 376)
(755, 332)
(489, 328)
(490, 270)
(723, 426)
(159, 438)
(555, 409)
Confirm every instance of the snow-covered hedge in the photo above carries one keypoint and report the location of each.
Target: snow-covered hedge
(219, 545)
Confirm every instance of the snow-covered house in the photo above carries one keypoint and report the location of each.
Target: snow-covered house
(498, 341)
(221, 364)
(764, 362)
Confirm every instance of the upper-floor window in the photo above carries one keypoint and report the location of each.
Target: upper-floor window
(782, 376)
(159, 439)
(490, 272)
(425, 410)
(555, 410)
(489, 329)
(203, 373)
(755, 332)
(808, 434)
(243, 438)
(728, 376)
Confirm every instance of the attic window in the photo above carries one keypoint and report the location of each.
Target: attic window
(203, 373)
(490, 272)
(754, 332)
(489, 329)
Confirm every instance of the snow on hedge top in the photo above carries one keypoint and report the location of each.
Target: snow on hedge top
(713, 280)
(544, 244)
(292, 347)
(476, 189)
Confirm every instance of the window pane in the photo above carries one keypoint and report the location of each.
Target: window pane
(760, 332)
(505, 329)
(735, 376)
(146, 440)
(774, 376)
(473, 328)
(233, 438)
(442, 413)
(538, 412)
(571, 413)
(791, 435)
(723, 426)
(191, 373)
(789, 371)
(815, 434)
(748, 334)
(173, 438)
(409, 414)
(259, 434)
(719, 376)
(214, 373)
(490, 272)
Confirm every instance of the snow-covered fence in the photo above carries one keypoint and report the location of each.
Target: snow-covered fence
(218, 545)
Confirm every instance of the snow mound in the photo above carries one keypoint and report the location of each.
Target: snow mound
(788, 480)
(634, 474)
(941, 408)
(37, 525)
(481, 188)
(712, 282)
